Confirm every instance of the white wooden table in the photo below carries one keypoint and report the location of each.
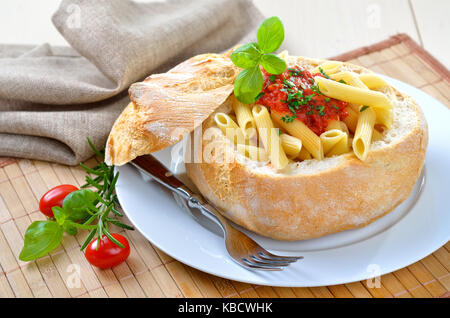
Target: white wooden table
(317, 28)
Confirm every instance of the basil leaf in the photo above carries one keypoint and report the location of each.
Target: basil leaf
(69, 228)
(59, 214)
(273, 63)
(248, 85)
(270, 35)
(246, 56)
(41, 238)
(77, 204)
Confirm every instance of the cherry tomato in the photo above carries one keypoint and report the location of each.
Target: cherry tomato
(55, 197)
(108, 254)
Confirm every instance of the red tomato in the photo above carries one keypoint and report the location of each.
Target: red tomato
(55, 197)
(108, 254)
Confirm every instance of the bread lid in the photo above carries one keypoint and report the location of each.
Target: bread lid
(165, 107)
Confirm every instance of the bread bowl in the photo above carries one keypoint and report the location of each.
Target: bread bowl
(307, 198)
(313, 198)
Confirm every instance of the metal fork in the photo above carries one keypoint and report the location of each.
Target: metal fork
(242, 249)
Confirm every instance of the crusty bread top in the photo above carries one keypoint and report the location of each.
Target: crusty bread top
(165, 107)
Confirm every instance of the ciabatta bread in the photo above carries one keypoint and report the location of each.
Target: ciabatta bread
(167, 106)
(314, 198)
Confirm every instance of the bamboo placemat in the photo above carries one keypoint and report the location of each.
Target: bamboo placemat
(149, 272)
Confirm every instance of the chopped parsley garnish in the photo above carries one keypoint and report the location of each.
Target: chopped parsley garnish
(335, 107)
(259, 95)
(323, 73)
(293, 71)
(272, 78)
(309, 98)
(327, 99)
(315, 89)
(289, 83)
(342, 81)
(363, 108)
(288, 119)
(310, 112)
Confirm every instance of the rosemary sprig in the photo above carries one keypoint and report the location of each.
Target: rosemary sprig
(104, 182)
(84, 209)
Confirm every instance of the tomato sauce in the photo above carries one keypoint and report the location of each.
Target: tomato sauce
(295, 94)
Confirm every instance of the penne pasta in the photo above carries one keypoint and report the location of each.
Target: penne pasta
(262, 135)
(304, 154)
(284, 55)
(332, 138)
(372, 81)
(380, 103)
(269, 137)
(337, 124)
(298, 129)
(229, 128)
(350, 78)
(329, 67)
(363, 134)
(291, 145)
(334, 124)
(278, 157)
(341, 147)
(351, 120)
(252, 152)
(376, 135)
(344, 128)
(244, 117)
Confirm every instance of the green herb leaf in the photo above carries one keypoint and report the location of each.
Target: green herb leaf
(83, 205)
(60, 214)
(119, 224)
(88, 239)
(270, 35)
(315, 89)
(363, 108)
(96, 151)
(248, 84)
(41, 238)
(246, 56)
(323, 73)
(77, 204)
(273, 63)
(69, 228)
(259, 95)
(112, 239)
(288, 83)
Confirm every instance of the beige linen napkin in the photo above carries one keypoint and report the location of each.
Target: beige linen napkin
(52, 98)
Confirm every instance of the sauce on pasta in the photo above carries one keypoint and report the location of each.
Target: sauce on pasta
(295, 94)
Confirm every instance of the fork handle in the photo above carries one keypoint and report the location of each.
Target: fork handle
(157, 171)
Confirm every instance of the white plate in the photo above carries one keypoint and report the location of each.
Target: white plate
(415, 229)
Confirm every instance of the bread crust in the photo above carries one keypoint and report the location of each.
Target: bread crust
(165, 107)
(347, 194)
